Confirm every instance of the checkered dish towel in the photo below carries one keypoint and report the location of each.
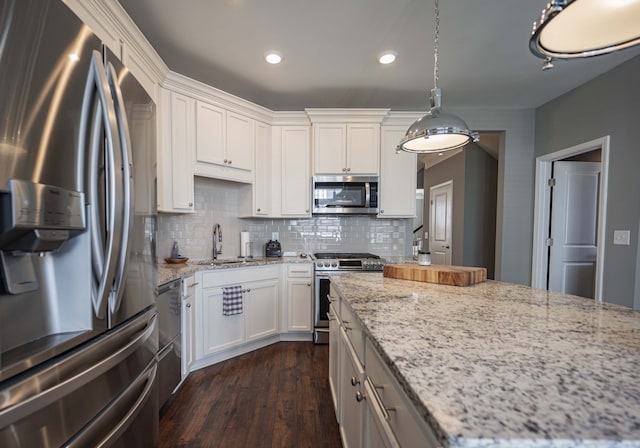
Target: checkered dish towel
(232, 300)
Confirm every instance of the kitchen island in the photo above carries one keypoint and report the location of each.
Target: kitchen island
(503, 365)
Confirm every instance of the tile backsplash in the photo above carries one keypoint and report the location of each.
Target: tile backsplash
(216, 202)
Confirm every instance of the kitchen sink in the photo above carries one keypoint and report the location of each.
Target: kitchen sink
(219, 262)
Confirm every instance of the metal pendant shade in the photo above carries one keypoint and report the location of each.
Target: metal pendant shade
(570, 29)
(436, 131)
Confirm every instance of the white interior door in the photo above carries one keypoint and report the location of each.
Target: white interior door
(574, 226)
(440, 222)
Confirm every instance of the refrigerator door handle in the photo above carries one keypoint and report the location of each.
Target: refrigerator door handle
(91, 435)
(36, 392)
(103, 261)
(127, 186)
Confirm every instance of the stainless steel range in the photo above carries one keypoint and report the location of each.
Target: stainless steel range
(329, 262)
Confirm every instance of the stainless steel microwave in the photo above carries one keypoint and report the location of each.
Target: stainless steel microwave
(345, 195)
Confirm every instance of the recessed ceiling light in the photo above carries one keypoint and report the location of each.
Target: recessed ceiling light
(387, 57)
(273, 57)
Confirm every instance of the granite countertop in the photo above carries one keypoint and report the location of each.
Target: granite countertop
(169, 272)
(503, 365)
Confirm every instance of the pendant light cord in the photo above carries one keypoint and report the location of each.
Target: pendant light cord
(435, 47)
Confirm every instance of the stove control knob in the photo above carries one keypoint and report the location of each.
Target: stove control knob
(334, 264)
(319, 265)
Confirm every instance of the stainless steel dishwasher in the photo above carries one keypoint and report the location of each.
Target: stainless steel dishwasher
(169, 329)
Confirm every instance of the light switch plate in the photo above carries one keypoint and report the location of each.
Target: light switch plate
(275, 236)
(621, 237)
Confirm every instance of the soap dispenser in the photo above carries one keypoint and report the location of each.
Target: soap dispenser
(175, 252)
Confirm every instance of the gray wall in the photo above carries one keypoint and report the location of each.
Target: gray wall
(607, 105)
(481, 173)
(474, 174)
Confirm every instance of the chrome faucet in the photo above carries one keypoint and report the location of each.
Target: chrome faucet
(217, 238)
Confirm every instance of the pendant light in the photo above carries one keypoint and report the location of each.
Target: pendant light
(570, 29)
(436, 131)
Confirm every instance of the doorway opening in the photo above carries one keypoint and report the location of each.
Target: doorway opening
(546, 274)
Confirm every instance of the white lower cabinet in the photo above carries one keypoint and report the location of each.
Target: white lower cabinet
(371, 407)
(188, 330)
(351, 394)
(259, 319)
(299, 297)
(261, 306)
(334, 358)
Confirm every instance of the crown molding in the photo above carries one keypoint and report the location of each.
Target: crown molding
(292, 118)
(188, 86)
(402, 118)
(346, 115)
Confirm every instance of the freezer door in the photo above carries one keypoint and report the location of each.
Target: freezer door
(110, 379)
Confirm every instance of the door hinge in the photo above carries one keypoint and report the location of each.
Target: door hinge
(551, 182)
(549, 242)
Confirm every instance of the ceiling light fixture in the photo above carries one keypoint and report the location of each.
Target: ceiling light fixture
(273, 57)
(436, 131)
(570, 29)
(387, 57)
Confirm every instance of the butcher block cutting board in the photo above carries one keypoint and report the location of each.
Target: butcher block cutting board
(442, 274)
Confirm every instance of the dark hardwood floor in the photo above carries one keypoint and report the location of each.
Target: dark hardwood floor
(277, 396)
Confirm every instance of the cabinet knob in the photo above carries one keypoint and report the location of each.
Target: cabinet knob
(258, 209)
(354, 381)
(359, 396)
(308, 284)
(382, 212)
(344, 170)
(225, 160)
(190, 204)
(229, 161)
(188, 305)
(348, 169)
(307, 210)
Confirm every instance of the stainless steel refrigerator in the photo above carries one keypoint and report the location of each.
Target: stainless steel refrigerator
(78, 336)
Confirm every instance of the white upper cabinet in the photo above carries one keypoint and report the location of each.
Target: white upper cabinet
(256, 199)
(225, 144)
(397, 176)
(240, 141)
(346, 148)
(175, 154)
(211, 126)
(295, 180)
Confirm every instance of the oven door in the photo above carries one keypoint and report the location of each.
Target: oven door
(320, 309)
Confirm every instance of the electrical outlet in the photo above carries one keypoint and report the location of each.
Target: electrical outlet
(621, 237)
(275, 236)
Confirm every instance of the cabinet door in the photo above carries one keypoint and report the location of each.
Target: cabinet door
(261, 302)
(188, 346)
(296, 181)
(334, 359)
(351, 408)
(299, 305)
(329, 148)
(377, 432)
(210, 133)
(363, 148)
(181, 141)
(397, 177)
(240, 141)
(262, 183)
(219, 332)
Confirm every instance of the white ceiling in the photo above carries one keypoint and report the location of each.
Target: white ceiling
(330, 49)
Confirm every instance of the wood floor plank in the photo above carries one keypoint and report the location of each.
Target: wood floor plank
(274, 397)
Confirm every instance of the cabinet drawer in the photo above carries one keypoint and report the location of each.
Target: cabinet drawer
(404, 420)
(354, 330)
(299, 270)
(239, 275)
